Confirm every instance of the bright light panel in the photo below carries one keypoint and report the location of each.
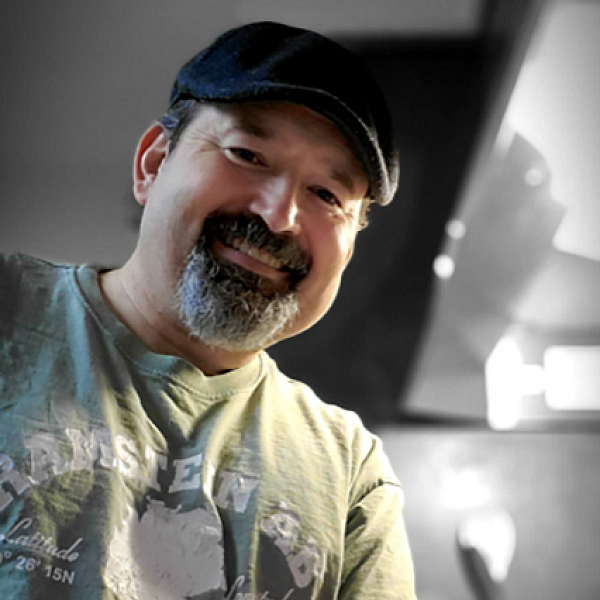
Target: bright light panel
(503, 384)
(572, 377)
(555, 107)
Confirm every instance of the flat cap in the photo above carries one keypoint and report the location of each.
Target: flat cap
(271, 61)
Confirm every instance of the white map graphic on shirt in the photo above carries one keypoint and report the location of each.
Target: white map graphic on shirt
(166, 554)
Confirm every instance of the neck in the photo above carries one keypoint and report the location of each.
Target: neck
(160, 330)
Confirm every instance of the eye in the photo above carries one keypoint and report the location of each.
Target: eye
(327, 196)
(245, 155)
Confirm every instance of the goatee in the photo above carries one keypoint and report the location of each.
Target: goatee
(229, 307)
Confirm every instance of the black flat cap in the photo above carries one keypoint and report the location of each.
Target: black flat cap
(271, 61)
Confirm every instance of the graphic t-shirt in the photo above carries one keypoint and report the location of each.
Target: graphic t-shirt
(130, 475)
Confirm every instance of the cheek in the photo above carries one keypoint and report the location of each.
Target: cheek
(180, 200)
(331, 254)
(332, 245)
(343, 246)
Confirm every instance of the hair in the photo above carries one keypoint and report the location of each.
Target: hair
(183, 112)
(179, 116)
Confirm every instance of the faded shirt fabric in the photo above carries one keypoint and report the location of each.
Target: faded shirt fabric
(130, 475)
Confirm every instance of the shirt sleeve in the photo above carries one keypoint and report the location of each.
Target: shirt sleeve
(377, 560)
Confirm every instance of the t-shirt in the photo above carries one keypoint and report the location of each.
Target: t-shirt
(129, 475)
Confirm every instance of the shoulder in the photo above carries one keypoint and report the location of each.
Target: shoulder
(341, 432)
(300, 400)
(27, 287)
(18, 270)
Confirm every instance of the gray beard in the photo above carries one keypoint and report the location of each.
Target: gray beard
(228, 307)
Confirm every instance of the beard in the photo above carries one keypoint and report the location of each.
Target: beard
(229, 307)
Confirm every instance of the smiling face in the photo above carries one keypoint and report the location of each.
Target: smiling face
(251, 219)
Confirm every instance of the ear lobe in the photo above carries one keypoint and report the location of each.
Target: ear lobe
(150, 154)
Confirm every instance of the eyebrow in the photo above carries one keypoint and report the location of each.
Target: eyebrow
(342, 178)
(250, 125)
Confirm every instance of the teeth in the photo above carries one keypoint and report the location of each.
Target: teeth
(256, 253)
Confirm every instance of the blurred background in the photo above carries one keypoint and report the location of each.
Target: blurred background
(467, 330)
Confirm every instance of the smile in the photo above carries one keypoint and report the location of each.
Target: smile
(256, 253)
(245, 240)
(250, 258)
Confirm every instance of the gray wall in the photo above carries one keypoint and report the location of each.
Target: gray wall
(547, 482)
(80, 81)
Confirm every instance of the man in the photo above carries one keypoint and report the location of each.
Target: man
(150, 448)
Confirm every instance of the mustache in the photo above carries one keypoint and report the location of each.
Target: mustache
(250, 228)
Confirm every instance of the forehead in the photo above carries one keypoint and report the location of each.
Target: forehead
(266, 118)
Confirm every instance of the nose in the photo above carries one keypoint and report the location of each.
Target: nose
(277, 203)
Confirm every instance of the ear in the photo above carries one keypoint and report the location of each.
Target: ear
(150, 154)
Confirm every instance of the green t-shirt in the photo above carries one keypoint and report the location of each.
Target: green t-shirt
(131, 475)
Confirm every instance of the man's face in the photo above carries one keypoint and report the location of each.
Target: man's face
(249, 223)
